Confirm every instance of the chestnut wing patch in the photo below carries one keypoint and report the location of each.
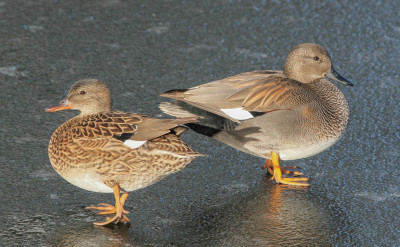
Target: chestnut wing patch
(272, 94)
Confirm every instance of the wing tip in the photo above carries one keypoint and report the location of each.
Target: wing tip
(174, 93)
(175, 110)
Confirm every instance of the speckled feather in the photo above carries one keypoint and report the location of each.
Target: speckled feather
(90, 151)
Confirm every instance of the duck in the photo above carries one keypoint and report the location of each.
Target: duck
(106, 151)
(276, 115)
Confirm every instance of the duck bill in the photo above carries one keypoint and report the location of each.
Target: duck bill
(64, 105)
(337, 77)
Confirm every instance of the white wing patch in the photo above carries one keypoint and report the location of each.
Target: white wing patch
(134, 144)
(238, 113)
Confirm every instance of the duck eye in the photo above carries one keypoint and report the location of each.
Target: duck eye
(82, 92)
(316, 58)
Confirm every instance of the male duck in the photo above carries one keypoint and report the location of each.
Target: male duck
(288, 115)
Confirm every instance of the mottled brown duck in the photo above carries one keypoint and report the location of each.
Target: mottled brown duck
(107, 151)
(287, 115)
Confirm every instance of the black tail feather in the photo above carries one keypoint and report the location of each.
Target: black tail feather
(176, 91)
(210, 121)
(204, 130)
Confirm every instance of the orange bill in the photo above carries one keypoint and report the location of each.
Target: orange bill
(64, 105)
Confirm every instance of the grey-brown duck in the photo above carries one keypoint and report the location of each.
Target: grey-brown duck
(107, 151)
(287, 115)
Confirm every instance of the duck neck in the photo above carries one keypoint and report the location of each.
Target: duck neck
(336, 109)
(95, 110)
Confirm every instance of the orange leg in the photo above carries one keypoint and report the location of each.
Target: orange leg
(118, 209)
(269, 166)
(285, 170)
(275, 170)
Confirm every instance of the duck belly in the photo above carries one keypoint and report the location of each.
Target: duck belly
(284, 132)
(304, 151)
(88, 181)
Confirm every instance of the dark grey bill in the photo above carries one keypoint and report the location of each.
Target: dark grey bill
(337, 77)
